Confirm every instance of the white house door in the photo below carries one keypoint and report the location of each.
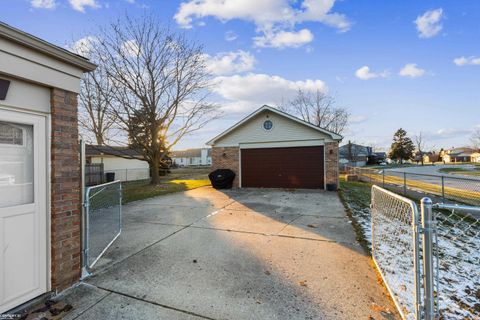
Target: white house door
(23, 214)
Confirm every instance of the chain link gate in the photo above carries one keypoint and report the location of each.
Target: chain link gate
(102, 221)
(396, 247)
(428, 261)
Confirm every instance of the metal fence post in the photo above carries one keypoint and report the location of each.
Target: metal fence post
(417, 269)
(428, 271)
(84, 211)
(85, 232)
(120, 197)
(383, 178)
(404, 183)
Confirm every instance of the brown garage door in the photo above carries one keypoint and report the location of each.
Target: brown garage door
(299, 167)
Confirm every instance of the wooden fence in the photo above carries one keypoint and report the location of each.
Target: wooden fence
(94, 174)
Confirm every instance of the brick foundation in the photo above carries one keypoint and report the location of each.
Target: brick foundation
(227, 158)
(65, 191)
(331, 163)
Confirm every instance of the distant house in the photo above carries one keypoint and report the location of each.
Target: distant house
(431, 156)
(354, 155)
(463, 154)
(127, 164)
(377, 157)
(475, 157)
(192, 157)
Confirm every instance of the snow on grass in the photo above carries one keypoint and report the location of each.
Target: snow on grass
(459, 265)
(457, 248)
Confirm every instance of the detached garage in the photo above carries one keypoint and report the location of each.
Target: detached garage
(272, 149)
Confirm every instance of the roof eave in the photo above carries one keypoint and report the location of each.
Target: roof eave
(28, 40)
(332, 135)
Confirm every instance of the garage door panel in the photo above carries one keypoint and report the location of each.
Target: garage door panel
(298, 167)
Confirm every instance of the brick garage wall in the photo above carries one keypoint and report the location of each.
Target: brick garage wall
(65, 191)
(331, 162)
(226, 158)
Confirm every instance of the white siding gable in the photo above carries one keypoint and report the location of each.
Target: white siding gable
(284, 130)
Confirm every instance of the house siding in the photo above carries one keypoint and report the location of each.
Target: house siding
(284, 129)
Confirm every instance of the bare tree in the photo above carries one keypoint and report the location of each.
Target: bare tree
(420, 145)
(161, 83)
(95, 102)
(475, 138)
(318, 109)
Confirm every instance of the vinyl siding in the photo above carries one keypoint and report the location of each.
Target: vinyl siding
(283, 129)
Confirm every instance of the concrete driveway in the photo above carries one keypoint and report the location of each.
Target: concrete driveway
(238, 254)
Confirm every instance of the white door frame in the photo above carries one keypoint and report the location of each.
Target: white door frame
(41, 128)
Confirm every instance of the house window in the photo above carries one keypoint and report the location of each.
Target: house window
(268, 125)
(10, 134)
(191, 160)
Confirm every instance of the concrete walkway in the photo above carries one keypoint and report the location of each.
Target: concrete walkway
(239, 254)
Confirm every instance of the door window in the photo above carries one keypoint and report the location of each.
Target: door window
(16, 164)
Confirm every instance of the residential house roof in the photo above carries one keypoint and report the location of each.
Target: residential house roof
(28, 40)
(190, 153)
(461, 152)
(333, 135)
(380, 154)
(352, 149)
(95, 150)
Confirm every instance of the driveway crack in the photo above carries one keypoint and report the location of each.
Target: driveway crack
(289, 223)
(154, 303)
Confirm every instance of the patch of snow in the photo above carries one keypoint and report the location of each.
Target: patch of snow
(458, 252)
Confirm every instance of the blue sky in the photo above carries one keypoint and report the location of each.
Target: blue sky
(263, 50)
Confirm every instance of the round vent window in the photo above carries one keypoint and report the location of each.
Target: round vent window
(268, 125)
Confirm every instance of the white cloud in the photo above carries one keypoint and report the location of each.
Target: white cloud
(411, 70)
(247, 92)
(83, 46)
(464, 61)
(364, 73)
(271, 17)
(79, 5)
(442, 134)
(284, 39)
(43, 4)
(230, 36)
(230, 62)
(429, 24)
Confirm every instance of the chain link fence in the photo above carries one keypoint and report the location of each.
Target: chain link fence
(447, 188)
(395, 248)
(102, 221)
(430, 261)
(457, 261)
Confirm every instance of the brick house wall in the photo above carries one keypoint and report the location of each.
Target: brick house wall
(227, 158)
(65, 191)
(331, 162)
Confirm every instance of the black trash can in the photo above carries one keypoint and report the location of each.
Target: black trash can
(222, 178)
(331, 187)
(110, 176)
